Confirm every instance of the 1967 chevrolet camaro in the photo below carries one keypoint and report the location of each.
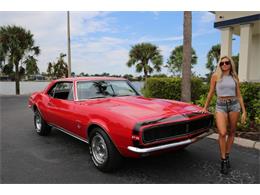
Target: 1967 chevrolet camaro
(116, 121)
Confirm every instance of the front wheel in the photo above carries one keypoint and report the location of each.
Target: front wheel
(41, 127)
(103, 152)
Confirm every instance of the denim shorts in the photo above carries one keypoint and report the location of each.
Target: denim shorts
(228, 105)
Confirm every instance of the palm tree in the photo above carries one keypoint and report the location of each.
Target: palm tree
(143, 55)
(186, 69)
(31, 65)
(236, 61)
(50, 69)
(16, 43)
(175, 61)
(2, 56)
(212, 59)
(60, 69)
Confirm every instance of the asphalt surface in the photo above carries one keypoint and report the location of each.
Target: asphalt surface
(29, 158)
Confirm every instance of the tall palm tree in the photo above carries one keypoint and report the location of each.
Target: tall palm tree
(31, 65)
(212, 59)
(175, 61)
(143, 55)
(2, 56)
(16, 43)
(60, 69)
(236, 61)
(50, 70)
(186, 69)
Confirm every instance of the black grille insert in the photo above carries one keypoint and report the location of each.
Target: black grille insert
(172, 130)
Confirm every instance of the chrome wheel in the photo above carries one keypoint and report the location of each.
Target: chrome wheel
(99, 149)
(38, 122)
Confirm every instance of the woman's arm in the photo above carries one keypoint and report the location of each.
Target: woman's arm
(211, 92)
(240, 99)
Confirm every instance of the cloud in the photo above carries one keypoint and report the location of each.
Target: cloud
(50, 29)
(207, 17)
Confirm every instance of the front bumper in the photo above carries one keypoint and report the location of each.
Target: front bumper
(168, 146)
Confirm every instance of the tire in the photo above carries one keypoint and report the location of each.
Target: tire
(40, 125)
(103, 153)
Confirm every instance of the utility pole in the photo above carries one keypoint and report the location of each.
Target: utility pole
(69, 52)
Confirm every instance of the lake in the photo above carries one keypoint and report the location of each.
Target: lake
(28, 87)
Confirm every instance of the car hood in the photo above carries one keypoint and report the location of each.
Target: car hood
(142, 108)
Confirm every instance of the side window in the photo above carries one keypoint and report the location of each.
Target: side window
(62, 90)
(70, 96)
(51, 92)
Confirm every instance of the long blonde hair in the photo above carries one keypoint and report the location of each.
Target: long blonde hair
(233, 73)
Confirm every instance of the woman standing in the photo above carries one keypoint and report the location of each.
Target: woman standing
(229, 103)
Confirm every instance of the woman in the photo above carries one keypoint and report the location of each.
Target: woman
(229, 103)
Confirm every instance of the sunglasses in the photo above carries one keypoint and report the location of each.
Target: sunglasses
(225, 62)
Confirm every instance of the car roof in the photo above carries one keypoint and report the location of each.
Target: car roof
(90, 78)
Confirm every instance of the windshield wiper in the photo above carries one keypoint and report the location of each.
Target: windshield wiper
(97, 97)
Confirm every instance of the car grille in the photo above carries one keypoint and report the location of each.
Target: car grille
(172, 130)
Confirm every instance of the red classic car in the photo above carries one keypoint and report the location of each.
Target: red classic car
(116, 121)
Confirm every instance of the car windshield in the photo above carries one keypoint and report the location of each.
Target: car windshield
(102, 89)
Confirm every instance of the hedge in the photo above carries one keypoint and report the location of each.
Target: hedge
(170, 88)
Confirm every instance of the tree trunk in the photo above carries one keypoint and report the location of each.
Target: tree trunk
(17, 79)
(186, 68)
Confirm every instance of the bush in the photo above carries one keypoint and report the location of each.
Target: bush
(251, 96)
(170, 88)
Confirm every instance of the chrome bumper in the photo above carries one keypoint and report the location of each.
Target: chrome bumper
(168, 146)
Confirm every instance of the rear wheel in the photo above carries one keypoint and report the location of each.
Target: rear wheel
(41, 127)
(103, 152)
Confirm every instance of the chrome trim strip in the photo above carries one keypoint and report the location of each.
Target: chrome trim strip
(67, 132)
(168, 146)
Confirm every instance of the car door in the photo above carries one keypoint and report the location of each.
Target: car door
(61, 107)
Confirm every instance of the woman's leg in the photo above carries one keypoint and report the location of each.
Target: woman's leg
(221, 121)
(233, 118)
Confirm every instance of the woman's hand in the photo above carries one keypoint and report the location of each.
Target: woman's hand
(204, 110)
(243, 118)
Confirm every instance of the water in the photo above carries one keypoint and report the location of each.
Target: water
(28, 87)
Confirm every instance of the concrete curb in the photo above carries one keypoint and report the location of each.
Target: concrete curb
(240, 141)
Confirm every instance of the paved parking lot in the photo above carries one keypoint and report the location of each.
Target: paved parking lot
(59, 158)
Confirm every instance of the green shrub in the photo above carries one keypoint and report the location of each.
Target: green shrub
(202, 100)
(166, 88)
(251, 96)
(170, 88)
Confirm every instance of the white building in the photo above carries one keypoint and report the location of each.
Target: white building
(247, 26)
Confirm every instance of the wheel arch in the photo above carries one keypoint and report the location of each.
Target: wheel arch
(34, 108)
(92, 126)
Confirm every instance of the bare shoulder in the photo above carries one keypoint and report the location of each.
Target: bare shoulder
(214, 77)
